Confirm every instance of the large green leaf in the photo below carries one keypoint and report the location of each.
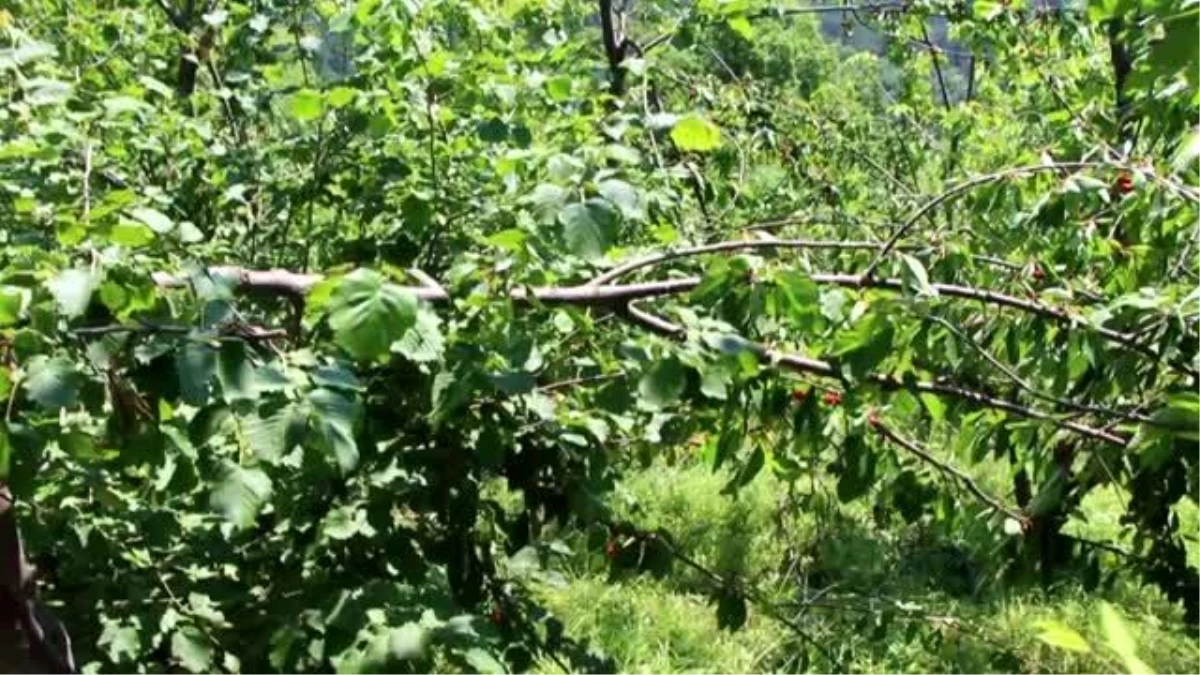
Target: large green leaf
(196, 363)
(335, 418)
(13, 302)
(276, 429)
(589, 228)
(154, 219)
(662, 384)
(624, 196)
(192, 649)
(423, 341)
(696, 134)
(240, 493)
(369, 313)
(235, 371)
(53, 383)
(73, 290)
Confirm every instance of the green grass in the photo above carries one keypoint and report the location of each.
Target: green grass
(948, 614)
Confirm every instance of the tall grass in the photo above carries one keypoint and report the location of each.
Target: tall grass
(877, 594)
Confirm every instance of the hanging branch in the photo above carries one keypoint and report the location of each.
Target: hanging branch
(950, 470)
(1128, 416)
(802, 364)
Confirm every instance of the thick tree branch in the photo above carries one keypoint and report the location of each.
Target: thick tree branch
(282, 282)
(614, 48)
(31, 640)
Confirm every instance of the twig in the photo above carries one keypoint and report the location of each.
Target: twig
(639, 263)
(950, 470)
(576, 381)
(87, 180)
(232, 330)
(1033, 391)
(749, 593)
(937, 66)
(963, 187)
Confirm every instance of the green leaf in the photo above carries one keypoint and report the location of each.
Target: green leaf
(1188, 151)
(493, 130)
(369, 313)
(235, 372)
(916, 279)
(696, 134)
(1057, 635)
(339, 97)
(1118, 638)
(741, 26)
(1181, 415)
(154, 219)
(14, 301)
(624, 196)
(120, 641)
(196, 364)
(192, 650)
(423, 342)
(589, 228)
(857, 469)
(335, 417)
(345, 522)
(276, 430)
(73, 290)
(132, 235)
(53, 383)
(240, 493)
(865, 345)
(305, 105)
(662, 384)
(511, 239)
(407, 642)
(559, 88)
(802, 297)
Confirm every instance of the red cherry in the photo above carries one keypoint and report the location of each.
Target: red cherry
(1038, 273)
(612, 549)
(1124, 184)
(873, 420)
(832, 399)
(799, 395)
(497, 616)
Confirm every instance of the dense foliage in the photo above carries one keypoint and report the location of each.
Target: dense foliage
(321, 323)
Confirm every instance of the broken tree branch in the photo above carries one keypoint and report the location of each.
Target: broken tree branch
(283, 282)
